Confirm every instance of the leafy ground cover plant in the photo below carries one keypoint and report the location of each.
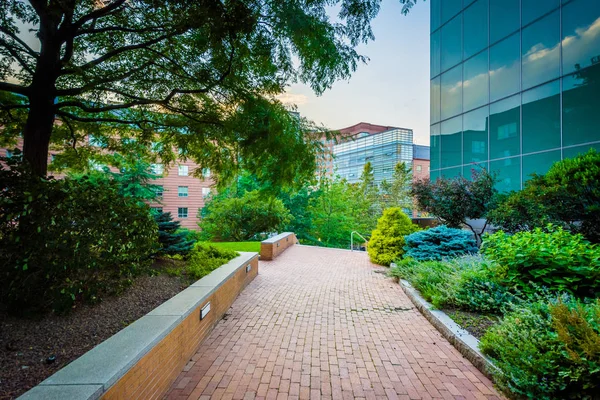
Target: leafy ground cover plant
(439, 243)
(206, 258)
(387, 240)
(548, 349)
(554, 258)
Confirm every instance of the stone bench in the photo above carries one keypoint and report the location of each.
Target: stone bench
(274, 246)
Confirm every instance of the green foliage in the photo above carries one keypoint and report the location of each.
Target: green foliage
(454, 201)
(238, 246)
(243, 218)
(439, 243)
(548, 350)
(556, 259)
(67, 240)
(568, 196)
(397, 192)
(387, 240)
(206, 258)
(172, 240)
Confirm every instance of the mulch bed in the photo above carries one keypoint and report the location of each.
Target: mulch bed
(26, 344)
(476, 324)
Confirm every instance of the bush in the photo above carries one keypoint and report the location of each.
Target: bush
(172, 239)
(67, 240)
(556, 259)
(387, 240)
(567, 196)
(548, 350)
(439, 243)
(206, 258)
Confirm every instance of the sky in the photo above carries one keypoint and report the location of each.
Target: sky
(392, 89)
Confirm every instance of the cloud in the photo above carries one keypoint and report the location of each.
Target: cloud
(293, 98)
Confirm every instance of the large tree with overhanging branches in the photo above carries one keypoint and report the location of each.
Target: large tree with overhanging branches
(201, 76)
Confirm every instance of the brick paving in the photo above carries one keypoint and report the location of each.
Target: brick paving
(322, 323)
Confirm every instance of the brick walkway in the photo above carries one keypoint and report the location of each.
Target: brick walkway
(321, 323)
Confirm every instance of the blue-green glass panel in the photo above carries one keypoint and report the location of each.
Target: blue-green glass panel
(475, 135)
(434, 144)
(435, 53)
(509, 173)
(469, 169)
(505, 129)
(580, 37)
(539, 163)
(451, 172)
(571, 152)
(435, 15)
(581, 107)
(435, 100)
(434, 175)
(533, 9)
(475, 28)
(451, 142)
(476, 87)
(451, 92)
(504, 18)
(451, 53)
(505, 68)
(541, 118)
(450, 8)
(541, 51)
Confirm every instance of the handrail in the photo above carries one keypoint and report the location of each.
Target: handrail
(352, 240)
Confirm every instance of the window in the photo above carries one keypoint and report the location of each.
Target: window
(505, 68)
(451, 92)
(451, 53)
(95, 165)
(505, 18)
(157, 210)
(475, 28)
(541, 51)
(159, 189)
(182, 191)
(182, 212)
(183, 170)
(476, 79)
(206, 172)
(541, 118)
(157, 169)
(451, 142)
(96, 142)
(9, 154)
(505, 128)
(532, 9)
(419, 168)
(205, 191)
(579, 35)
(475, 135)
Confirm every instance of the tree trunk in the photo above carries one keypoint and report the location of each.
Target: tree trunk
(36, 135)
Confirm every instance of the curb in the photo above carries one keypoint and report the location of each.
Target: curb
(463, 341)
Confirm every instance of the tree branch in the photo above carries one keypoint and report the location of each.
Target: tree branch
(18, 40)
(15, 53)
(13, 88)
(119, 29)
(98, 13)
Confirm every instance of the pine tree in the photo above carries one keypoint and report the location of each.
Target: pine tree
(171, 241)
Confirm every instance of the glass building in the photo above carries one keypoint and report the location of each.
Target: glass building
(515, 85)
(383, 150)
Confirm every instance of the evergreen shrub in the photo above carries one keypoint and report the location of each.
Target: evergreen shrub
(387, 240)
(439, 243)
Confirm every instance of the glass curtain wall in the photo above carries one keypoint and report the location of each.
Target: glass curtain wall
(515, 85)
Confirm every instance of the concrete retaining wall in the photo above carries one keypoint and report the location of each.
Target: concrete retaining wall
(273, 247)
(144, 359)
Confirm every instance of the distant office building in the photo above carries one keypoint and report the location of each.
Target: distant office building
(515, 85)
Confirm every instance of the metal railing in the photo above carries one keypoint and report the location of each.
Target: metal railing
(352, 240)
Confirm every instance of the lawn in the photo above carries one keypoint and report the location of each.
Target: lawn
(238, 246)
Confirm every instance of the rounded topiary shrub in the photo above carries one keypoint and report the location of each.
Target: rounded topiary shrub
(439, 243)
(387, 240)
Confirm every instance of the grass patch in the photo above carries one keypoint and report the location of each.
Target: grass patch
(237, 246)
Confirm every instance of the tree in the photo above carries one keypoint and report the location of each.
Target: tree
(457, 200)
(247, 217)
(171, 241)
(201, 74)
(387, 241)
(367, 206)
(397, 192)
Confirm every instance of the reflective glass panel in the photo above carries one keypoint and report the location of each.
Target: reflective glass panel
(434, 142)
(450, 8)
(505, 133)
(539, 163)
(451, 142)
(435, 100)
(451, 92)
(435, 14)
(451, 43)
(435, 53)
(467, 170)
(577, 150)
(504, 18)
(541, 51)
(541, 118)
(533, 9)
(580, 34)
(505, 71)
(475, 28)
(476, 81)
(581, 107)
(509, 173)
(434, 175)
(451, 172)
(475, 136)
